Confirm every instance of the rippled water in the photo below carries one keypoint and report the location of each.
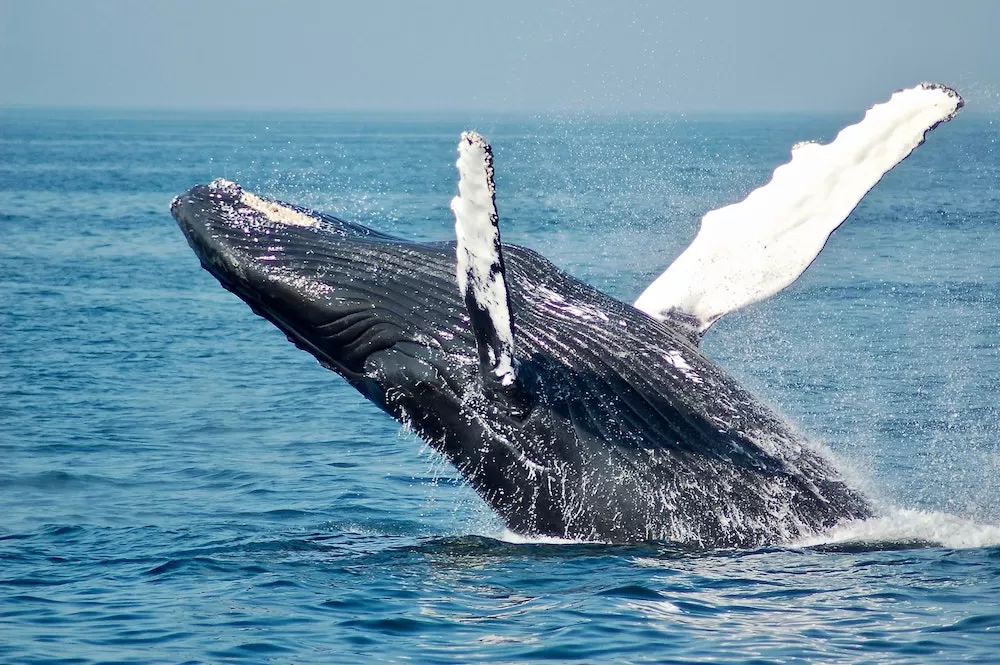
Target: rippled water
(180, 484)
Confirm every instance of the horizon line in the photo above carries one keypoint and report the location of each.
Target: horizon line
(358, 111)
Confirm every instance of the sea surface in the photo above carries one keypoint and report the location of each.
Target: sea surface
(179, 484)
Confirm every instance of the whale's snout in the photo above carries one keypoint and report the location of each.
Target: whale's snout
(200, 214)
(239, 237)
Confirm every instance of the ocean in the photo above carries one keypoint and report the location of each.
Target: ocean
(179, 484)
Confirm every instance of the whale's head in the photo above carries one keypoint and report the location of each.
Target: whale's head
(382, 312)
(363, 303)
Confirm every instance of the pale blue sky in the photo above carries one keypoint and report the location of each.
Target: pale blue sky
(509, 55)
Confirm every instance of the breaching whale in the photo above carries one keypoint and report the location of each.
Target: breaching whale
(572, 414)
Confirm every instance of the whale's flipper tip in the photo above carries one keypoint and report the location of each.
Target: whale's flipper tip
(942, 89)
(935, 101)
(480, 270)
(472, 139)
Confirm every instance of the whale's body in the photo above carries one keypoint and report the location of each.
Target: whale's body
(620, 429)
(572, 414)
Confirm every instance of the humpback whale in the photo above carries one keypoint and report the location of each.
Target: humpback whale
(572, 414)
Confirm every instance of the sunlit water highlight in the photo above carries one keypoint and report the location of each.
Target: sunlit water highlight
(179, 484)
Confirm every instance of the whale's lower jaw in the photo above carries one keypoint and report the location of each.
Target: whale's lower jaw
(619, 428)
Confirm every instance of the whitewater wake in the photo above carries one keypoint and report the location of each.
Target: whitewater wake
(898, 527)
(906, 525)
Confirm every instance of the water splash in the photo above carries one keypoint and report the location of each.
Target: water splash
(509, 536)
(908, 526)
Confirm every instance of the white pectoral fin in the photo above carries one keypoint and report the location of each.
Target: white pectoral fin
(749, 251)
(479, 268)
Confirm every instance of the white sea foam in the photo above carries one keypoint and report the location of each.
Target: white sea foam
(509, 536)
(902, 525)
(899, 525)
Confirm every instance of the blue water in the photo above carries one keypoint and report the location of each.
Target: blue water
(180, 484)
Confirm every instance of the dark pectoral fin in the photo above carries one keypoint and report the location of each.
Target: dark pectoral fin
(480, 269)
